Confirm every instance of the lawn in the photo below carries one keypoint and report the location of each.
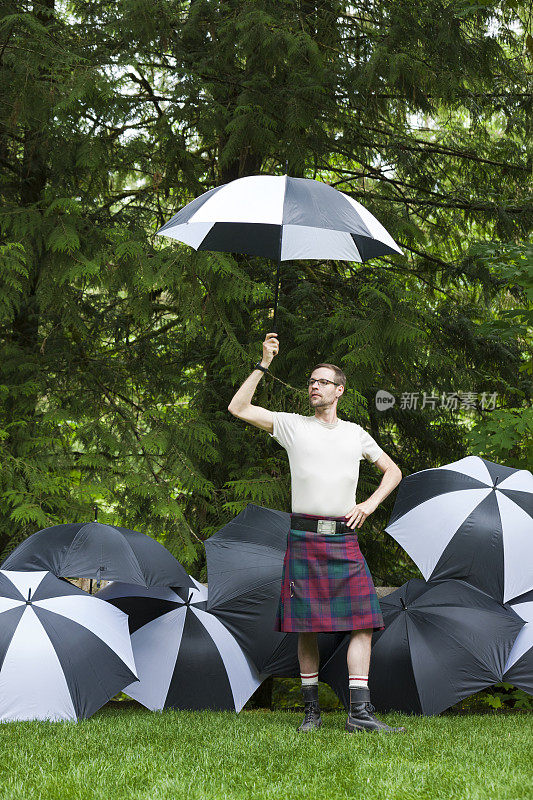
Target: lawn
(128, 752)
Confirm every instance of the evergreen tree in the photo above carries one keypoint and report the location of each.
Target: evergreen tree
(120, 352)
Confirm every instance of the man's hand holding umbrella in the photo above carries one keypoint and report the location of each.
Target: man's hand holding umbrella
(270, 349)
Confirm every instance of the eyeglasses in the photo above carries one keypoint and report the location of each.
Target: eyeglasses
(321, 381)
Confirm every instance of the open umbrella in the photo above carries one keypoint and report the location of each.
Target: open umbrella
(281, 218)
(185, 657)
(442, 642)
(63, 653)
(244, 569)
(519, 666)
(104, 552)
(472, 520)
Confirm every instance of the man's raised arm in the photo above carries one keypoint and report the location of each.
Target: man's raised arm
(241, 403)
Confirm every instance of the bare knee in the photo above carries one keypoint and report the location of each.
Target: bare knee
(362, 633)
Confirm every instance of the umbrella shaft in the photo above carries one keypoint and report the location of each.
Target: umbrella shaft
(274, 328)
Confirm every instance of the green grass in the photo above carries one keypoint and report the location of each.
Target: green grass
(133, 753)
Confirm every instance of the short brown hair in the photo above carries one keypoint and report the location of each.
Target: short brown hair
(340, 377)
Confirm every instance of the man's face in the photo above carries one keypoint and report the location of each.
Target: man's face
(323, 396)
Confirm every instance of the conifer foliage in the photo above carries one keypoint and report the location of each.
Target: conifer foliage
(119, 353)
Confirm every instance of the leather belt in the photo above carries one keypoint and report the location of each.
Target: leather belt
(328, 526)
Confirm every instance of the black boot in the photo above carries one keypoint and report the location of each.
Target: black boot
(312, 718)
(361, 717)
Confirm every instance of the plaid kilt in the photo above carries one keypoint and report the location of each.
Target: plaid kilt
(326, 584)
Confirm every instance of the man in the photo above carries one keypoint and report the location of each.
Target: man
(326, 583)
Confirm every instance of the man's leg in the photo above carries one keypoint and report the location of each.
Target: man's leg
(308, 657)
(361, 717)
(358, 657)
(308, 654)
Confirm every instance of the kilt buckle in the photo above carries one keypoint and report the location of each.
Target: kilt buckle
(326, 526)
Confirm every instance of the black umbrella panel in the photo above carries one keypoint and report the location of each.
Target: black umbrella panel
(63, 653)
(244, 569)
(442, 642)
(185, 657)
(103, 552)
(471, 520)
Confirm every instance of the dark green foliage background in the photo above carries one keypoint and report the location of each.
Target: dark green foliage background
(120, 351)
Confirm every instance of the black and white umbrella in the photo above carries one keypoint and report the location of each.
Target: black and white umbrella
(442, 642)
(185, 657)
(244, 569)
(472, 520)
(63, 653)
(103, 552)
(280, 218)
(519, 666)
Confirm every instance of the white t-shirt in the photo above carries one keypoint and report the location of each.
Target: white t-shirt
(324, 461)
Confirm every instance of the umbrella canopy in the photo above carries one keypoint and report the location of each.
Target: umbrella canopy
(244, 569)
(442, 642)
(63, 653)
(280, 218)
(104, 552)
(472, 520)
(185, 657)
(519, 666)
